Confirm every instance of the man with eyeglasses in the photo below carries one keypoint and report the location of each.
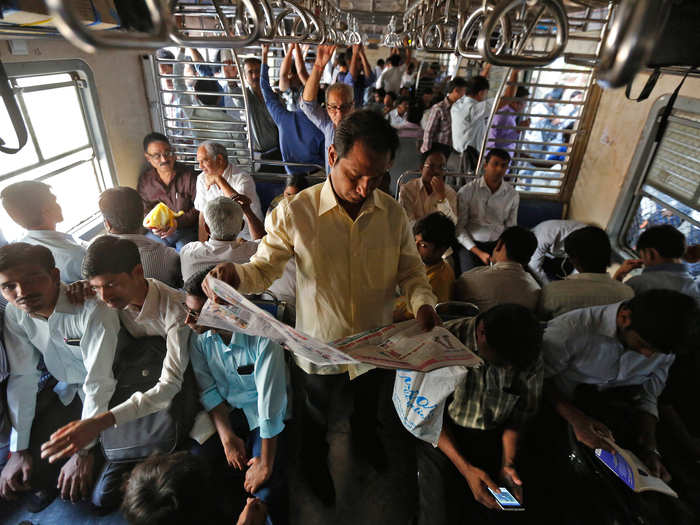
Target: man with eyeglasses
(173, 184)
(339, 100)
(429, 193)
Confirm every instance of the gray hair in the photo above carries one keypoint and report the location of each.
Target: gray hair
(224, 217)
(214, 149)
(345, 89)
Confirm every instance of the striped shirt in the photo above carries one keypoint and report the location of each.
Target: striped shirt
(439, 126)
(159, 261)
(492, 396)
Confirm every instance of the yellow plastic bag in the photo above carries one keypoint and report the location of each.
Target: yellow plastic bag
(161, 217)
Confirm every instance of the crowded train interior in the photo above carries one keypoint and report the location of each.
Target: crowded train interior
(333, 262)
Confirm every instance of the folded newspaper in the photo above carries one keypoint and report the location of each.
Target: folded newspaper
(403, 345)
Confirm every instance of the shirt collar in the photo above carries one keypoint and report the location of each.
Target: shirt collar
(149, 309)
(48, 234)
(328, 200)
(482, 184)
(668, 267)
(608, 321)
(216, 243)
(63, 305)
(591, 277)
(507, 265)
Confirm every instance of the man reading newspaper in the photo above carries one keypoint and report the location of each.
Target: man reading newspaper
(352, 246)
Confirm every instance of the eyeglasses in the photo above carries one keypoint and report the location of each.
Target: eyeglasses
(166, 155)
(342, 108)
(192, 315)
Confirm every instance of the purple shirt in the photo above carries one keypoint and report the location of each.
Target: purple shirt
(504, 138)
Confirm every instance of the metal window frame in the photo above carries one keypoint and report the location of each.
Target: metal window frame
(86, 89)
(631, 192)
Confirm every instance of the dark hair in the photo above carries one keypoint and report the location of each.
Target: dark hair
(368, 127)
(209, 86)
(520, 244)
(380, 62)
(665, 239)
(298, 181)
(666, 319)
(341, 61)
(436, 228)
(380, 92)
(110, 254)
(22, 253)
(24, 202)
(403, 99)
(122, 208)
(513, 333)
(477, 84)
(391, 94)
(497, 152)
(395, 60)
(165, 54)
(168, 489)
(434, 149)
(252, 61)
(590, 247)
(193, 285)
(154, 137)
(456, 82)
(521, 92)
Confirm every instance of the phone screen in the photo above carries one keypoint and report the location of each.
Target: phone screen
(506, 500)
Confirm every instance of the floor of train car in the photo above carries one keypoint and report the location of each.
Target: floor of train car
(363, 495)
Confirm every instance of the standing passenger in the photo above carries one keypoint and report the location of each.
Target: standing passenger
(487, 206)
(174, 185)
(352, 246)
(438, 129)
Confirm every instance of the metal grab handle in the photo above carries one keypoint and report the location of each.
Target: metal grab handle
(425, 35)
(469, 28)
(73, 30)
(636, 28)
(14, 113)
(514, 60)
(222, 42)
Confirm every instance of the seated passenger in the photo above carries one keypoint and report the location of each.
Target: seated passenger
(244, 388)
(146, 308)
(176, 489)
(479, 439)
(660, 250)
(174, 185)
(399, 115)
(32, 205)
(223, 219)
(547, 262)
(429, 193)
(300, 140)
(487, 206)
(593, 351)
(589, 251)
(389, 102)
(220, 178)
(506, 280)
(122, 211)
(77, 344)
(293, 185)
(434, 234)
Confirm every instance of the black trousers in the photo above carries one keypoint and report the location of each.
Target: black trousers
(467, 260)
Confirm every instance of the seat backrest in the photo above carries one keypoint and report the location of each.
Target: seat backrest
(531, 212)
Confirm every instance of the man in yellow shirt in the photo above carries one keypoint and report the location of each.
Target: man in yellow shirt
(352, 246)
(434, 234)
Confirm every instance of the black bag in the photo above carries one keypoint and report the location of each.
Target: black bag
(137, 367)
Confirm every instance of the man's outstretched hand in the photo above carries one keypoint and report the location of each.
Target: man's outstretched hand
(427, 317)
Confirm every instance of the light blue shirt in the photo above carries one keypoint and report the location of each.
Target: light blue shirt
(581, 347)
(87, 368)
(262, 394)
(319, 117)
(672, 276)
(67, 253)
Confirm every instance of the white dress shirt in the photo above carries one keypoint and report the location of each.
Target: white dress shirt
(469, 119)
(86, 369)
(163, 314)
(484, 215)
(66, 251)
(581, 347)
(390, 79)
(671, 276)
(196, 256)
(550, 243)
(397, 120)
(240, 181)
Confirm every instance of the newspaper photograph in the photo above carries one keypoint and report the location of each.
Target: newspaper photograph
(242, 315)
(406, 346)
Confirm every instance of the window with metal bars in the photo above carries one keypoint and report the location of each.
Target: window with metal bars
(67, 148)
(664, 181)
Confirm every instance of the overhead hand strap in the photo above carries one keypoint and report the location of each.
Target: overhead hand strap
(647, 89)
(14, 112)
(667, 110)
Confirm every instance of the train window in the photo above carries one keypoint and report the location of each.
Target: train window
(66, 148)
(665, 178)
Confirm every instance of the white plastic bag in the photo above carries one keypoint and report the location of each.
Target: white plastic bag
(419, 399)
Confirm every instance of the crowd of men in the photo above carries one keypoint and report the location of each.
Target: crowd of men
(568, 349)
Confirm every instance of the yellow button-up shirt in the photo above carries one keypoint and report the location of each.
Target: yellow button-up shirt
(415, 200)
(347, 271)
